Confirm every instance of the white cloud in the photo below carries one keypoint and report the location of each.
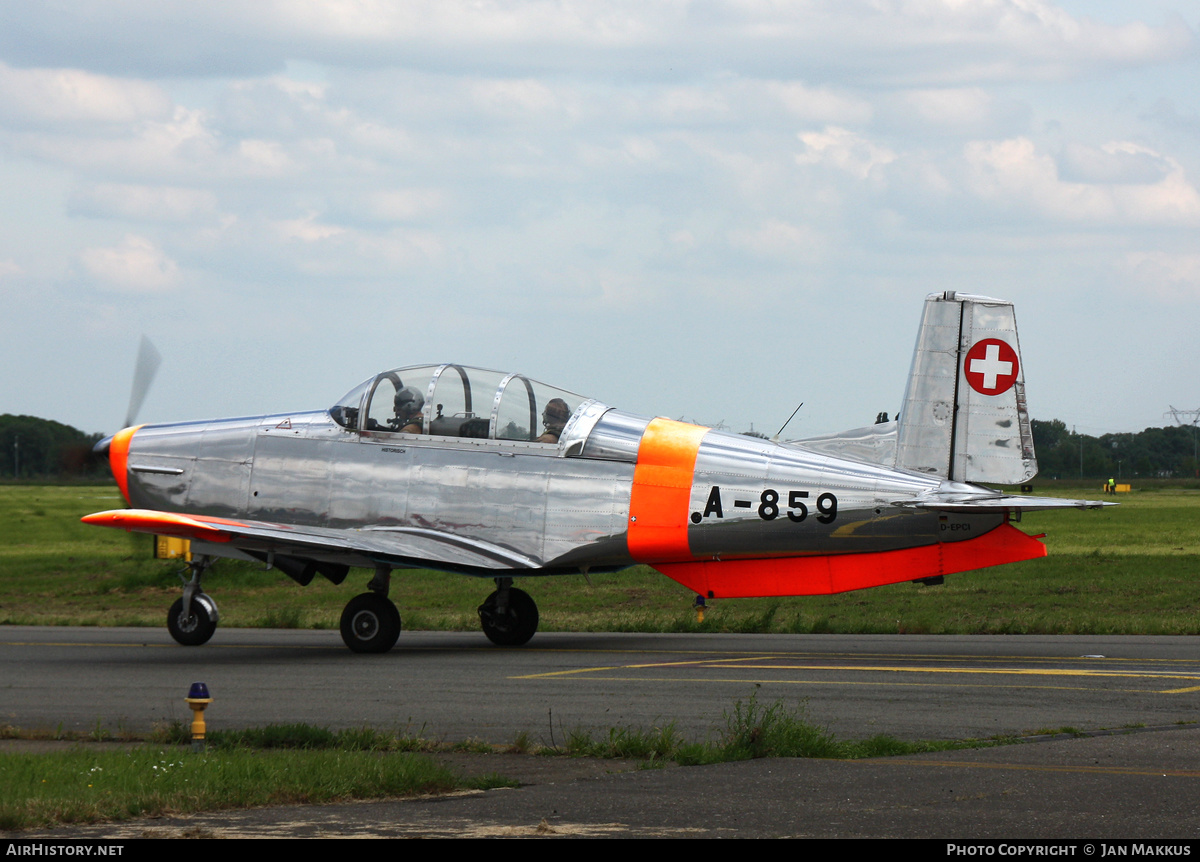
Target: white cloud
(1113, 162)
(843, 149)
(263, 157)
(775, 238)
(307, 229)
(819, 104)
(137, 265)
(944, 41)
(971, 111)
(403, 204)
(1013, 172)
(401, 248)
(190, 146)
(630, 152)
(41, 97)
(143, 203)
(514, 97)
(180, 145)
(597, 157)
(1167, 275)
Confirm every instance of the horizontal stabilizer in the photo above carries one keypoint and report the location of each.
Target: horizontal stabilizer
(874, 444)
(982, 505)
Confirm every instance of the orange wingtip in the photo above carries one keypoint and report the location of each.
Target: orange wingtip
(158, 523)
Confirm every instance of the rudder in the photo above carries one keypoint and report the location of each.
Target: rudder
(964, 415)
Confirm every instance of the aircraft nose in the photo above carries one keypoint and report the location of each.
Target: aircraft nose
(118, 456)
(101, 447)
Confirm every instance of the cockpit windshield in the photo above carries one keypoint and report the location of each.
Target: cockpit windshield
(458, 401)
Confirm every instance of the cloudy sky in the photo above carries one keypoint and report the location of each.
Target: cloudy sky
(711, 209)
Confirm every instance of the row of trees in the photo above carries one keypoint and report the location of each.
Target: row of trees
(1155, 452)
(33, 448)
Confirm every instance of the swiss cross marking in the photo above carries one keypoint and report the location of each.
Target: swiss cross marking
(991, 366)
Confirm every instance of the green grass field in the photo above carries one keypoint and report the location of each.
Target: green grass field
(1128, 570)
(303, 764)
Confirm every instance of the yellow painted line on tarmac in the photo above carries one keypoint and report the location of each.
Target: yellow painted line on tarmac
(746, 664)
(703, 661)
(1001, 671)
(775, 661)
(726, 664)
(816, 682)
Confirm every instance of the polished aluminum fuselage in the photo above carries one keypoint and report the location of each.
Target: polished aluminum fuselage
(535, 507)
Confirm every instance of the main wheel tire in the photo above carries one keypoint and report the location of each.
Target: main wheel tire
(370, 624)
(515, 626)
(195, 628)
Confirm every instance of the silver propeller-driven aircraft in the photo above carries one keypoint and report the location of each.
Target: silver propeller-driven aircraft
(498, 476)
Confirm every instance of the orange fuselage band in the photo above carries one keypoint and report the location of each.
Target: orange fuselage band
(662, 491)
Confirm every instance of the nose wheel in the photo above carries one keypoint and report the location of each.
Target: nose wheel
(193, 618)
(509, 617)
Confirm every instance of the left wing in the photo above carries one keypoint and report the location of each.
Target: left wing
(400, 546)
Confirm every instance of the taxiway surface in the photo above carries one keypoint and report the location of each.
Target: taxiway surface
(453, 686)
(1139, 781)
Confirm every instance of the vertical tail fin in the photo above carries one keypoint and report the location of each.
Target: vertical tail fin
(964, 416)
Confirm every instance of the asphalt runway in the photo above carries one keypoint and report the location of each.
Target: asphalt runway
(453, 686)
(1139, 781)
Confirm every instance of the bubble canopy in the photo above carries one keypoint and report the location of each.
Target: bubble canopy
(458, 401)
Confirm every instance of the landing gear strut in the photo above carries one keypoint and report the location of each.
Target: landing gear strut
(194, 617)
(509, 617)
(370, 622)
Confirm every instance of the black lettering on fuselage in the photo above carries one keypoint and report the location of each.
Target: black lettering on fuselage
(714, 503)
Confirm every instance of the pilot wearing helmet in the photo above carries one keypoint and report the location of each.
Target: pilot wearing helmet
(554, 417)
(408, 403)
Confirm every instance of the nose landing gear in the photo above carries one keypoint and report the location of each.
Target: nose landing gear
(193, 618)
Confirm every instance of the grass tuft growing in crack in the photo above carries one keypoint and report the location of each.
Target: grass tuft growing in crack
(752, 730)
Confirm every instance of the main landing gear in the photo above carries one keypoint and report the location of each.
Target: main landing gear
(370, 622)
(509, 617)
(194, 617)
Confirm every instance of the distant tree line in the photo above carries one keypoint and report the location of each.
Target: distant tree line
(1154, 452)
(33, 448)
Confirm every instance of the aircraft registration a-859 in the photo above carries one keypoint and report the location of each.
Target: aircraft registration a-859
(497, 476)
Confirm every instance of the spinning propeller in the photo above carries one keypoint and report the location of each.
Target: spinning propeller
(148, 361)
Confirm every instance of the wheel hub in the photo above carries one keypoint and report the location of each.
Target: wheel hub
(366, 625)
(188, 622)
